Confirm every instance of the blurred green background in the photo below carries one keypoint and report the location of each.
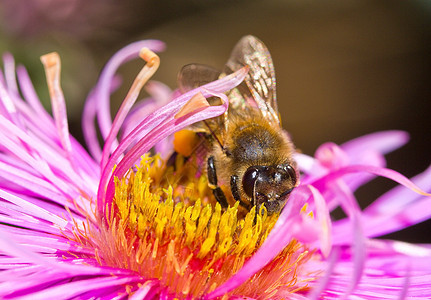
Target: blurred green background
(344, 68)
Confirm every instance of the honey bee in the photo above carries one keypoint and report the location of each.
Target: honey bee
(248, 150)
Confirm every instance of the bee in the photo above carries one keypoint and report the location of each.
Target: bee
(248, 152)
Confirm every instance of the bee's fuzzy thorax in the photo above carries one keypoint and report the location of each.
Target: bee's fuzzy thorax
(250, 140)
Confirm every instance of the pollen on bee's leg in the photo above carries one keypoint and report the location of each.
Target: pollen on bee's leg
(185, 141)
(197, 102)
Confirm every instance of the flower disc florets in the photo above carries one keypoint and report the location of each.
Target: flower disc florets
(179, 235)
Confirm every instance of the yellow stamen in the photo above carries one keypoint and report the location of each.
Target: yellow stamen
(185, 239)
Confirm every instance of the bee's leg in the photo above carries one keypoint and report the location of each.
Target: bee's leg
(212, 180)
(234, 179)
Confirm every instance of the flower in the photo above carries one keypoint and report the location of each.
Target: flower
(121, 223)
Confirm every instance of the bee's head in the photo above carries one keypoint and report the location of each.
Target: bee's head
(269, 185)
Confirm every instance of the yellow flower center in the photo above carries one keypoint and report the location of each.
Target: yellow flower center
(166, 225)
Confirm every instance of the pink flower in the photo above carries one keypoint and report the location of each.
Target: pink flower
(116, 223)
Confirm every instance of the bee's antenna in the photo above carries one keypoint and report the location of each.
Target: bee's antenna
(214, 135)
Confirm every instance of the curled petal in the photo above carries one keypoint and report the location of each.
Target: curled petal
(331, 156)
(155, 121)
(382, 142)
(103, 86)
(166, 127)
(324, 221)
(151, 66)
(390, 174)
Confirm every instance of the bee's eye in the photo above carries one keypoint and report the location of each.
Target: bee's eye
(290, 171)
(249, 179)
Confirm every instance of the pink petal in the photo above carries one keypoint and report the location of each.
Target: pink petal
(33, 210)
(89, 117)
(27, 89)
(393, 175)
(395, 210)
(52, 69)
(103, 86)
(400, 197)
(324, 221)
(352, 209)
(146, 291)
(151, 66)
(323, 281)
(76, 288)
(9, 67)
(382, 142)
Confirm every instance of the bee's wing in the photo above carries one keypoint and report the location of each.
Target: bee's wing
(195, 75)
(260, 81)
